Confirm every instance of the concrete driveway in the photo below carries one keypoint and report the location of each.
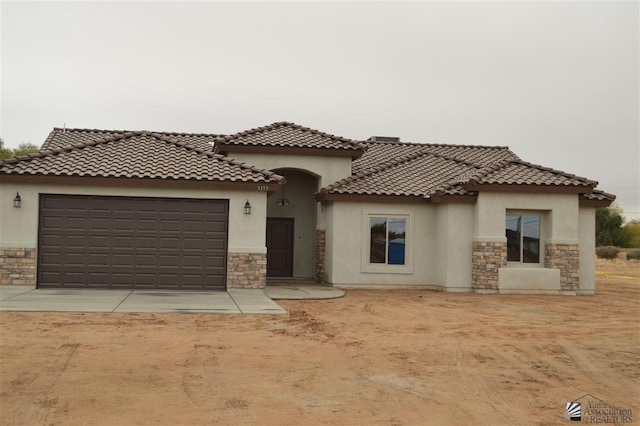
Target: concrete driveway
(237, 301)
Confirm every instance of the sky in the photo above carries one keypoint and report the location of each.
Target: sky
(557, 82)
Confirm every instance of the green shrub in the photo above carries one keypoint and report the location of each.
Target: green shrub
(607, 252)
(631, 233)
(633, 254)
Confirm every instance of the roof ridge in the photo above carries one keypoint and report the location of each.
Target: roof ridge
(212, 154)
(437, 144)
(71, 147)
(277, 124)
(78, 129)
(450, 158)
(484, 171)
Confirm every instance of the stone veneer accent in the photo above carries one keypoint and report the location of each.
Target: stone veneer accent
(246, 270)
(320, 255)
(487, 258)
(565, 257)
(17, 266)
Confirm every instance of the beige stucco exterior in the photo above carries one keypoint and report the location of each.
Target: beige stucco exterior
(562, 222)
(439, 235)
(347, 246)
(19, 226)
(587, 235)
(299, 190)
(439, 249)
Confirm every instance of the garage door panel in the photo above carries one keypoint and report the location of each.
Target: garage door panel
(122, 260)
(98, 279)
(146, 242)
(98, 241)
(123, 243)
(120, 242)
(146, 225)
(124, 224)
(170, 262)
(96, 260)
(218, 227)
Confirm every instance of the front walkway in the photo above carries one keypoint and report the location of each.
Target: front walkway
(27, 298)
(235, 301)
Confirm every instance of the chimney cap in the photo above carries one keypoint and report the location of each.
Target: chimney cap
(383, 139)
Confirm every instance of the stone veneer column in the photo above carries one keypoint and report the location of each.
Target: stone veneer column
(246, 270)
(565, 257)
(320, 255)
(487, 258)
(17, 266)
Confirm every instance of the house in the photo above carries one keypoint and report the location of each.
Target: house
(140, 209)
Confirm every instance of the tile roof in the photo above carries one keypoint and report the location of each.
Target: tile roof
(431, 171)
(380, 152)
(416, 175)
(137, 155)
(287, 135)
(597, 195)
(384, 168)
(523, 173)
(59, 137)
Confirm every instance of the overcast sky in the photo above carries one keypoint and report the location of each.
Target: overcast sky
(558, 82)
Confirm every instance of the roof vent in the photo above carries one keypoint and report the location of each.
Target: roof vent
(383, 139)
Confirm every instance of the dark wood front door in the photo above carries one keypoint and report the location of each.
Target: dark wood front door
(279, 247)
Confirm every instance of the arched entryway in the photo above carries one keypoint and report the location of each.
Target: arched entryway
(291, 226)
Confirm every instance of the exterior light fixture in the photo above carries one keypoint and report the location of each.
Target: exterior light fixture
(17, 201)
(284, 201)
(247, 208)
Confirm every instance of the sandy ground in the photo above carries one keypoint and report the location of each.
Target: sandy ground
(372, 357)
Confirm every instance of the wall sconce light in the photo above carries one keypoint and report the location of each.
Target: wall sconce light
(247, 208)
(17, 201)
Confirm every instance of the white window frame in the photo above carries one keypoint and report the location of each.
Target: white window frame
(384, 268)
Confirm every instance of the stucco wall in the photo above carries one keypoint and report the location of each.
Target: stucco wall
(347, 246)
(19, 226)
(299, 190)
(454, 235)
(559, 228)
(587, 234)
(491, 209)
(327, 169)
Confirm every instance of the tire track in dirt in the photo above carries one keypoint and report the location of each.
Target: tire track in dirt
(477, 383)
(38, 388)
(203, 382)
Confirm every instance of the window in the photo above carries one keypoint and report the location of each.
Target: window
(523, 238)
(388, 240)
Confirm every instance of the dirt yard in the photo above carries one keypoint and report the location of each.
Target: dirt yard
(372, 357)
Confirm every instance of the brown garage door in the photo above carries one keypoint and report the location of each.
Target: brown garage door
(127, 242)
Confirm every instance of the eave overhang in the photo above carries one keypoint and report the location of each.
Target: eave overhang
(268, 187)
(547, 189)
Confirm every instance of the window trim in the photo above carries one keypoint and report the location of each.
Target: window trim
(385, 268)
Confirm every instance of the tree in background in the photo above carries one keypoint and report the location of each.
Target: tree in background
(4, 152)
(609, 222)
(22, 149)
(631, 233)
